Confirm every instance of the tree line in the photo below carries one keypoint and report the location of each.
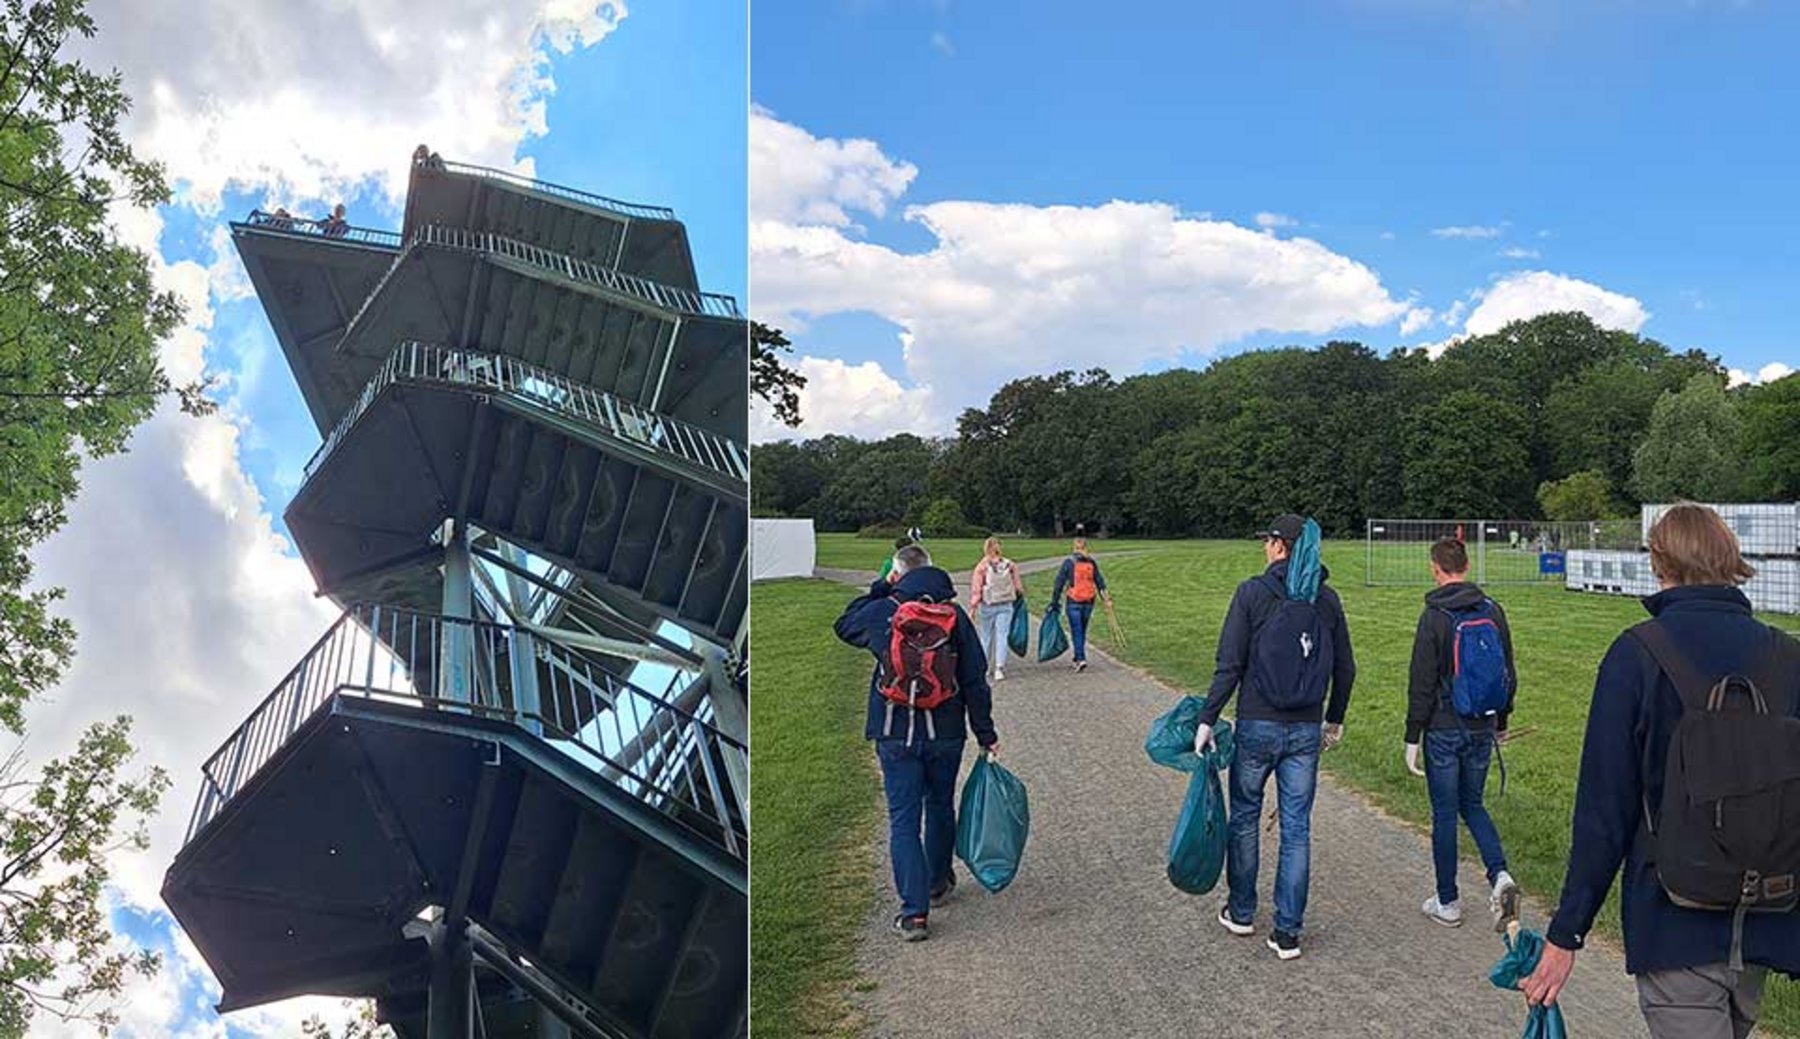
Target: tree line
(1552, 417)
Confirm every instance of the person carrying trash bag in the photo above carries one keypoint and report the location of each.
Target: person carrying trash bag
(1284, 646)
(1459, 693)
(995, 588)
(1052, 643)
(1197, 847)
(1690, 780)
(993, 824)
(928, 690)
(1080, 576)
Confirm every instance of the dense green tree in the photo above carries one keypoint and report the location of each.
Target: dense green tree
(1585, 495)
(778, 385)
(876, 483)
(1771, 415)
(786, 478)
(1468, 455)
(1694, 446)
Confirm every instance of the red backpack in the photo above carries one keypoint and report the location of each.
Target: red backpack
(919, 669)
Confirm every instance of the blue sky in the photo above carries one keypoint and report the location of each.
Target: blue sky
(1644, 148)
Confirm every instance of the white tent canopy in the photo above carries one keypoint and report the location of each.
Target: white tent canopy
(781, 548)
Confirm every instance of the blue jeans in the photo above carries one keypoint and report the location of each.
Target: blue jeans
(1289, 751)
(996, 624)
(1456, 767)
(1079, 612)
(920, 777)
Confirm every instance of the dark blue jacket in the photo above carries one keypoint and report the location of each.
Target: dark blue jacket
(867, 623)
(1635, 708)
(1250, 606)
(1065, 577)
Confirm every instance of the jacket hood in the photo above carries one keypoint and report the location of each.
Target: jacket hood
(1705, 596)
(1279, 571)
(1459, 596)
(928, 582)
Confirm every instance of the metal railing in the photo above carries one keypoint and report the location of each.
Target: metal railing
(652, 749)
(423, 363)
(629, 209)
(666, 297)
(307, 228)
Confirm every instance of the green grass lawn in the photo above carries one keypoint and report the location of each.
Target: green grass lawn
(811, 862)
(815, 791)
(849, 552)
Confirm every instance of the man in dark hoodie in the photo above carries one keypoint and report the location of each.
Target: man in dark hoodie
(1699, 975)
(1457, 749)
(1278, 724)
(920, 750)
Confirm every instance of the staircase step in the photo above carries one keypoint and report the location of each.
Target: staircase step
(653, 925)
(607, 506)
(537, 850)
(505, 481)
(716, 565)
(644, 522)
(587, 900)
(537, 484)
(678, 545)
(574, 489)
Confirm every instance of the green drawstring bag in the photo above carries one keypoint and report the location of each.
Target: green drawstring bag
(1052, 642)
(993, 822)
(1018, 637)
(1522, 954)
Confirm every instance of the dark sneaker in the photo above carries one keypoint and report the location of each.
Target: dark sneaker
(1230, 923)
(911, 928)
(942, 892)
(1286, 946)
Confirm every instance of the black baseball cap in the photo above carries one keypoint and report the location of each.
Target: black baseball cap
(1287, 527)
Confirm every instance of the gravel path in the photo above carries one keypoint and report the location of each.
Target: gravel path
(1091, 940)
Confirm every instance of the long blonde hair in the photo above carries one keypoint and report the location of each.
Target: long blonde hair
(990, 549)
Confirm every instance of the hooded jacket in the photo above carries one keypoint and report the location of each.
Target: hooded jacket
(1428, 688)
(1250, 607)
(867, 624)
(1633, 714)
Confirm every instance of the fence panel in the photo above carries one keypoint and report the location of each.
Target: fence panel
(1397, 551)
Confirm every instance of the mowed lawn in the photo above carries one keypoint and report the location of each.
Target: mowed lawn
(816, 784)
(849, 552)
(816, 794)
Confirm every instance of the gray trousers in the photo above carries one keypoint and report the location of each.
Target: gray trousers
(1711, 1002)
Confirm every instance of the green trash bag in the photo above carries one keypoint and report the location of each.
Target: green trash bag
(993, 822)
(1171, 739)
(1018, 637)
(1052, 642)
(1543, 1022)
(1197, 847)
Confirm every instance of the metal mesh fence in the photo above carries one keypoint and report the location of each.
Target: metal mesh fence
(1500, 551)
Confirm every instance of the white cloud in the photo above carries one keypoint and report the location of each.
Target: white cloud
(1770, 372)
(1466, 231)
(860, 400)
(1270, 221)
(1517, 297)
(307, 100)
(1455, 313)
(1416, 318)
(1006, 288)
(1519, 252)
(803, 179)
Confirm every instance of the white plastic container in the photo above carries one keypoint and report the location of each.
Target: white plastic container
(1768, 529)
(1613, 573)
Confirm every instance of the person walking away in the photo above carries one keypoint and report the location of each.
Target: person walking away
(1690, 778)
(993, 589)
(1459, 694)
(928, 690)
(1285, 641)
(1080, 576)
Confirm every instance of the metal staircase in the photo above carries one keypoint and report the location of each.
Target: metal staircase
(506, 793)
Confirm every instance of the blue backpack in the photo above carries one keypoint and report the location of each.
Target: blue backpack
(1478, 676)
(1291, 654)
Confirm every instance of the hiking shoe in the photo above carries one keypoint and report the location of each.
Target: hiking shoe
(1448, 915)
(1080, 665)
(941, 893)
(1286, 946)
(999, 674)
(1230, 923)
(911, 928)
(1503, 904)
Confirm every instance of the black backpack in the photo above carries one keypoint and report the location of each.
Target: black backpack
(1727, 835)
(1291, 653)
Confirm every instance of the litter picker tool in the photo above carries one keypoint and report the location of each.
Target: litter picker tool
(1112, 622)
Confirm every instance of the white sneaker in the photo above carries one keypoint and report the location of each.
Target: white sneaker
(1448, 915)
(1503, 904)
(999, 674)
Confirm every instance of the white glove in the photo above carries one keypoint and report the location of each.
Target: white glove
(1203, 739)
(1330, 735)
(1412, 759)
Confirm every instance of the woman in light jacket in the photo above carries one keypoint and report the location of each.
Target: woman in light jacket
(992, 589)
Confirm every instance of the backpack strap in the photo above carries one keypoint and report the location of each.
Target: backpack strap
(1693, 687)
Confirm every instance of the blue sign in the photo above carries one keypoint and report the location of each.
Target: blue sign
(1553, 563)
